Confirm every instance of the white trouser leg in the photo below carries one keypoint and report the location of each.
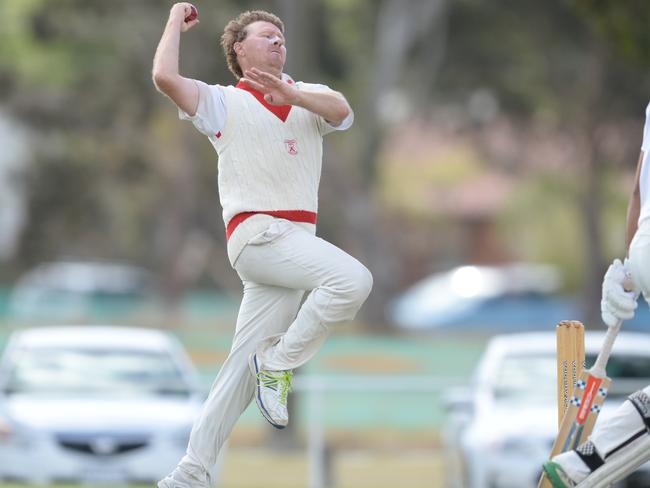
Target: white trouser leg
(615, 430)
(608, 436)
(288, 256)
(276, 268)
(620, 465)
(265, 310)
(624, 440)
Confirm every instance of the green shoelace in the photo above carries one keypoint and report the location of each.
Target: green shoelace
(276, 381)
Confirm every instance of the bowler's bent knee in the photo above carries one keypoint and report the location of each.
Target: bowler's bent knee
(358, 283)
(362, 285)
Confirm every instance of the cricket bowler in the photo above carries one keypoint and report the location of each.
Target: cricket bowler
(620, 444)
(267, 131)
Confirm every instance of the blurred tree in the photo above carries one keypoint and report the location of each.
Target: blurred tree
(377, 43)
(115, 175)
(621, 30)
(548, 69)
(623, 24)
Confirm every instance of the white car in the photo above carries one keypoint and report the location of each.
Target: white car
(74, 290)
(500, 432)
(95, 404)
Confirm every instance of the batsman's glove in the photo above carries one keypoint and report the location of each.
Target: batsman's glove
(617, 303)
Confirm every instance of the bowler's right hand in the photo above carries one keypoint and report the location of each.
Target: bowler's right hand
(617, 302)
(179, 12)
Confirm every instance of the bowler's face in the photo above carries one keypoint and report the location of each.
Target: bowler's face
(264, 47)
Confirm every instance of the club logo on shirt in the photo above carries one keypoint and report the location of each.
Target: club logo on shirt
(291, 146)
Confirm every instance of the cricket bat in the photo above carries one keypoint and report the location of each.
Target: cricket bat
(585, 404)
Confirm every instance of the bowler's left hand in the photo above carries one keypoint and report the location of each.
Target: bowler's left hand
(275, 90)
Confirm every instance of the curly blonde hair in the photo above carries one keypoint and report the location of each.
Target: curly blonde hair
(235, 31)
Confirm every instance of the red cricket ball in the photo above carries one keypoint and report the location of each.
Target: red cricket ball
(193, 14)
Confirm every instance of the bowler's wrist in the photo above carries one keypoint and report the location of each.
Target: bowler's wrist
(176, 16)
(298, 98)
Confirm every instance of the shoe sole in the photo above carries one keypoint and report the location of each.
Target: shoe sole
(252, 362)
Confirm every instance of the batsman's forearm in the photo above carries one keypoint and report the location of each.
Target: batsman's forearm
(634, 205)
(165, 62)
(633, 212)
(333, 107)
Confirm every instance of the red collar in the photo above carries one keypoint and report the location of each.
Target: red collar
(280, 111)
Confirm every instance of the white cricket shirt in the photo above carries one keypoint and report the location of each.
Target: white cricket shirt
(644, 176)
(269, 156)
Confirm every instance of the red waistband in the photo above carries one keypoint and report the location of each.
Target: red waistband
(293, 215)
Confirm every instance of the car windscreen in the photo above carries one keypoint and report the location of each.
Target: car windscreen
(526, 378)
(532, 378)
(66, 371)
(628, 373)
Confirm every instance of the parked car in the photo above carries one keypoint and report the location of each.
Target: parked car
(502, 429)
(512, 297)
(95, 404)
(78, 290)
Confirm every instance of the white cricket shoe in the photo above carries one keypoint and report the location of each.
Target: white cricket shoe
(181, 479)
(271, 391)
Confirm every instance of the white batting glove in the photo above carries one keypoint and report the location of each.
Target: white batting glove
(617, 304)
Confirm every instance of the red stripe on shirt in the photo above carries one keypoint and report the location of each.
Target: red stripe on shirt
(293, 215)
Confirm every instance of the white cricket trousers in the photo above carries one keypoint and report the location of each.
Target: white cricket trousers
(276, 268)
(609, 435)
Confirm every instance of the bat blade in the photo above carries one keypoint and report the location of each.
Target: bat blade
(579, 419)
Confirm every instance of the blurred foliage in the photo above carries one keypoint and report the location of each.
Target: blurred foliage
(408, 183)
(541, 208)
(624, 24)
(115, 175)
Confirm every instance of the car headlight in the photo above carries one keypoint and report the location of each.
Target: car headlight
(6, 430)
(12, 433)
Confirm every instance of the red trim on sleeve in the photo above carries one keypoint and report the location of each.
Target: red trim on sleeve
(218, 135)
(293, 215)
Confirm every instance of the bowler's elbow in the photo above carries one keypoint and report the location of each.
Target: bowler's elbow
(182, 91)
(162, 81)
(345, 112)
(341, 113)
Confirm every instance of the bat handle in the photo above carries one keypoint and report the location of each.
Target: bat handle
(599, 368)
(603, 356)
